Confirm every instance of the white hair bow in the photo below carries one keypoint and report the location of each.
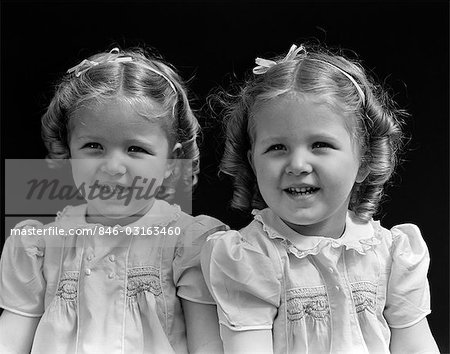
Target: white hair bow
(112, 57)
(265, 64)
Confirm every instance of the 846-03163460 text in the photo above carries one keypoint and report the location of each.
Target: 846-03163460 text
(99, 230)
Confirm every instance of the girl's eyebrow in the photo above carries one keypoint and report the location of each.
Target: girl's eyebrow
(316, 136)
(139, 140)
(89, 136)
(271, 139)
(85, 137)
(324, 135)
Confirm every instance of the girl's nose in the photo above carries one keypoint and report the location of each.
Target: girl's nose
(298, 164)
(113, 165)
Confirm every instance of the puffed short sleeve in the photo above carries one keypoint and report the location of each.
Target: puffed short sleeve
(408, 293)
(242, 280)
(22, 284)
(187, 271)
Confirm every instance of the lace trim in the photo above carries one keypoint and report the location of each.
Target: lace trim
(143, 279)
(68, 286)
(303, 302)
(176, 214)
(360, 246)
(364, 296)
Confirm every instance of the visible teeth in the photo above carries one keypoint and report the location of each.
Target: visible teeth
(120, 189)
(302, 190)
(106, 188)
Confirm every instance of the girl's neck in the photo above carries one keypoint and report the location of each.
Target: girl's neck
(322, 229)
(93, 217)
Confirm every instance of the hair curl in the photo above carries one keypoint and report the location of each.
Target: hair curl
(134, 82)
(378, 122)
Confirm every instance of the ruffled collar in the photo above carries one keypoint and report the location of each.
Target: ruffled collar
(161, 214)
(358, 236)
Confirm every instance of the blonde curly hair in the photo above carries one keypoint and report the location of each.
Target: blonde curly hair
(135, 81)
(319, 72)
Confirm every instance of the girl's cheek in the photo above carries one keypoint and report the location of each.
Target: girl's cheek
(83, 170)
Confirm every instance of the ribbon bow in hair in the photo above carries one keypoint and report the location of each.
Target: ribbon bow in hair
(265, 64)
(112, 57)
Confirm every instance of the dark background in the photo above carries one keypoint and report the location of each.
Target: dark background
(404, 44)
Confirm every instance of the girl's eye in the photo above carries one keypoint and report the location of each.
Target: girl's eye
(137, 149)
(277, 147)
(321, 145)
(93, 146)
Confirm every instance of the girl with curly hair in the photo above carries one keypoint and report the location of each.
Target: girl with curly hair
(311, 141)
(124, 275)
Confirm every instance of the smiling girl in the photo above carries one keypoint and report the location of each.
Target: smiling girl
(124, 121)
(310, 143)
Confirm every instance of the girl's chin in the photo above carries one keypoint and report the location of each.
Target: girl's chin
(305, 217)
(301, 222)
(116, 215)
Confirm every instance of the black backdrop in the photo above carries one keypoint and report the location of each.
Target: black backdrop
(405, 44)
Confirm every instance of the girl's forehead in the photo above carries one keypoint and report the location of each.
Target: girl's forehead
(145, 107)
(320, 101)
(117, 119)
(301, 108)
(117, 111)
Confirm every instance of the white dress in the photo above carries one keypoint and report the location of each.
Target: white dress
(317, 294)
(111, 293)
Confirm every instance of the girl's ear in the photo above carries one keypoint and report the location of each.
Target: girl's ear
(363, 172)
(176, 149)
(172, 160)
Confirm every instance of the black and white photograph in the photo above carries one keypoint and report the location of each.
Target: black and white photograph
(224, 176)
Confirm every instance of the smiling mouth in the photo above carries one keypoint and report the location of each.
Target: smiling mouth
(303, 191)
(113, 189)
